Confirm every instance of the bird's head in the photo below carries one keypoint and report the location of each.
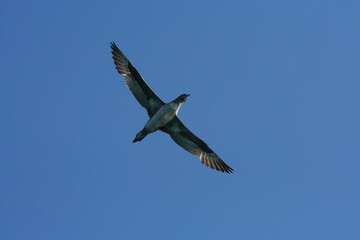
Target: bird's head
(182, 98)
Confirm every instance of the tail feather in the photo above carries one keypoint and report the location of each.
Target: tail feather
(140, 136)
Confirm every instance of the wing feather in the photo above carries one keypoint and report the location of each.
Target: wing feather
(142, 92)
(194, 145)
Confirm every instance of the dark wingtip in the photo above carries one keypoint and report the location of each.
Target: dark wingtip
(113, 45)
(225, 169)
(229, 170)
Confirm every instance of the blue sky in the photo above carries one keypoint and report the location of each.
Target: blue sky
(275, 92)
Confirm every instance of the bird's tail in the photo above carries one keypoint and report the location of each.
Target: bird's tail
(140, 136)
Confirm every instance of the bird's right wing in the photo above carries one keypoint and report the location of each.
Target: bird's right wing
(194, 145)
(142, 92)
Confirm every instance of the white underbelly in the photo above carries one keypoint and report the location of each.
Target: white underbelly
(165, 114)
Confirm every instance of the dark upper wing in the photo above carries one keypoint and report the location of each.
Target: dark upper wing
(142, 92)
(194, 145)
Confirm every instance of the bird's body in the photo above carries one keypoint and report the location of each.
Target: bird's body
(163, 116)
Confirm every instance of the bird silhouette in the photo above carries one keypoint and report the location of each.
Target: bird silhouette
(163, 116)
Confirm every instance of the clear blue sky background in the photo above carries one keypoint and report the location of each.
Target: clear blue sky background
(275, 92)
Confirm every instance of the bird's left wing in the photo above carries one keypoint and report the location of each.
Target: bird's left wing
(194, 145)
(142, 92)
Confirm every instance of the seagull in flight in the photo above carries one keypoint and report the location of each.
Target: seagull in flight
(163, 116)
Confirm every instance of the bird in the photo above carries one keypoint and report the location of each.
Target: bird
(164, 116)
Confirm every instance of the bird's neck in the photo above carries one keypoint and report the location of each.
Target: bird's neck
(176, 106)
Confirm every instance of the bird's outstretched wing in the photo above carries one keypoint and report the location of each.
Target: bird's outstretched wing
(142, 92)
(194, 145)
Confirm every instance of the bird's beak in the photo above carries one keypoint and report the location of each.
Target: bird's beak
(188, 95)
